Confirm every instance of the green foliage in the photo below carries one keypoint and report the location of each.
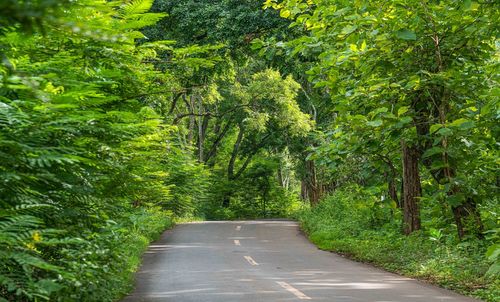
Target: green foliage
(418, 73)
(108, 132)
(269, 101)
(103, 264)
(493, 253)
(255, 195)
(234, 22)
(339, 223)
(85, 161)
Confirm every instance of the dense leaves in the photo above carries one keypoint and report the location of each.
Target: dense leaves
(414, 90)
(84, 159)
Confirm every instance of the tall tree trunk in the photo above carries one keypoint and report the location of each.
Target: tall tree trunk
(391, 177)
(412, 190)
(174, 102)
(466, 215)
(230, 167)
(202, 129)
(468, 219)
(391, 189)
(220, 133)
(313, 187)
(234, 154)
(191, 120)
(304, 194)
(280, 177)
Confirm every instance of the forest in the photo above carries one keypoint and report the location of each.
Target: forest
(372, 123)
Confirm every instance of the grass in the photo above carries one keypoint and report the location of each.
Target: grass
(147, 227)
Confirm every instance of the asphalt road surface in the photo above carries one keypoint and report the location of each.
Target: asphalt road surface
(253, 261)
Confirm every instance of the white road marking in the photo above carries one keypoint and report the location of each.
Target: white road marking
(237, 242)
(238, 228)
(250, 260)
(293, 290)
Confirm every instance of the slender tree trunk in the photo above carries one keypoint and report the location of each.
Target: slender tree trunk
(412, 190)
(286, 182)
(234, 154)
(191, 120)
(393, 192)
(468, 219)
(280, 177)
(313, 187)
(391, 189)
(391, 181)
(202, 128)
(230, 167)
(304, 194)
(174, 102)
(212, 153)
(466, 215)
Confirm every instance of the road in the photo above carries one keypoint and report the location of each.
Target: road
(254, 261)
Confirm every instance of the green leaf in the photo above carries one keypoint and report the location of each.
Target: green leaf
(467, 4)
(435, 127)
(256, 44)
(493, 252)
(406, 34)
(363, 46)
(455, 199)
(285, 13)
(402, 110)
(349, 29)
(445, 132)
(403, 121)
(378, 110)
(375, 123)
(48, 285)
(463, 124)
(432, 151)
(494, 269)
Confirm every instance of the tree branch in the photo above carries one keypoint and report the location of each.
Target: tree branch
(217, 141)
(250, 156)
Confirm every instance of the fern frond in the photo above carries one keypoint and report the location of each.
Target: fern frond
(141, 21)
(136, 7)
(26, 259)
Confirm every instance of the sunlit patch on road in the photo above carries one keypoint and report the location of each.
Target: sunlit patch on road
(250, 260)
(293, 290)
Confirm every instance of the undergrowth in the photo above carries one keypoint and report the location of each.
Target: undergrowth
(96, 265)
(342, 223)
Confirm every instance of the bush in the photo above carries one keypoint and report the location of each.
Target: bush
(99, 266)
(103, 265)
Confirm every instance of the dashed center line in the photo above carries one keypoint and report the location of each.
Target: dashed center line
(293, 290)
(237, 242)
(238, 228)
(250, 260)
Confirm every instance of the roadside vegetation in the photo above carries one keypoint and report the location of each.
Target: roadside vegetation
(352, 222)
(375, 124)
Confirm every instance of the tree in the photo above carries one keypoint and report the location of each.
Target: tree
(268, 115)
(405, 56)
